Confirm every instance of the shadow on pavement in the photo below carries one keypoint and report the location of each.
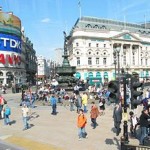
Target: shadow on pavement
(109, 142)
(113, 130)
(34, 115)
(113, 142)
(31, 125)
(12, 122)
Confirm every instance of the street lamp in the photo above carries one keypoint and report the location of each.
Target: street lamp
(127, 68)
(115, 62)
(37, 76)
(117, 54)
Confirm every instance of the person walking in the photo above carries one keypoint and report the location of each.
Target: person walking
(78, 102)
(53, 103)
(84, 101)
(144, 118)
(94, 114)
(117, 115)
(25, 116)
(102, 105)
(134, 122)
(2, 100)
(7, 113)
(81, 123)
(72, 100)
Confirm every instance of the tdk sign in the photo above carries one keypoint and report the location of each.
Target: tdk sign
(10, 43)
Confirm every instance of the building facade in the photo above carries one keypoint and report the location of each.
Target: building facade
(14, 49)
(93, 43)
(58, 55)
(11, 67)
(42, 69)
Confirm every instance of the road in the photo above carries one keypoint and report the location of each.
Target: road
(58, 132)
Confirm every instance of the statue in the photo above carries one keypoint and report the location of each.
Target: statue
(65, 72)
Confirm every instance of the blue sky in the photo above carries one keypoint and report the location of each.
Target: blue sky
(45, 20)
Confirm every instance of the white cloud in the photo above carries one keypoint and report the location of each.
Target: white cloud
(45, 20)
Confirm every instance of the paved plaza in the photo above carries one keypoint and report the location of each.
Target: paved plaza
(58, 132)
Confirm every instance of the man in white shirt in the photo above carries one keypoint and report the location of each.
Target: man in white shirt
(25, 115)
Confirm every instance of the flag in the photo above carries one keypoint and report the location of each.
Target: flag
(79, 4)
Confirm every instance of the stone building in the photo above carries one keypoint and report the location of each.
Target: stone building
(95, 44)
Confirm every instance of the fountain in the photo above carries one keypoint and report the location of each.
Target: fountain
(65, 72)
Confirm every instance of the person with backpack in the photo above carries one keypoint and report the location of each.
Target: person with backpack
(81, 123)
(7, 113)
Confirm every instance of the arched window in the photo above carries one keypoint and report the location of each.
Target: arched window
(88, 26)
(98, 74)
(96, 26)
(90, 75)
(105, 75)
(78, 75)
(1, 73)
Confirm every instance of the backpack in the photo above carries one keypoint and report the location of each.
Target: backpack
(7, 111)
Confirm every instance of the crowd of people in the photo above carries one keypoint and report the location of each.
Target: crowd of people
(78, 101)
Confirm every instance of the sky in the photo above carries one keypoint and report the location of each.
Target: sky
(45, 20)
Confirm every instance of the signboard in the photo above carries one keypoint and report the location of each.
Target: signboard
(10, 43)
(94, 80)
(10, 59)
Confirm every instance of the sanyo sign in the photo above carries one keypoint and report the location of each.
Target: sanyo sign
(10, 43)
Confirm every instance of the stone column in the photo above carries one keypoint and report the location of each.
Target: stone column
(5, 77)
(130, 56)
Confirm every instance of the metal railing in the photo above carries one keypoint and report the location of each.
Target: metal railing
(134, 147)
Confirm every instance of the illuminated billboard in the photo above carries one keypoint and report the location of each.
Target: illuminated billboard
(10, 43)
(10, 49)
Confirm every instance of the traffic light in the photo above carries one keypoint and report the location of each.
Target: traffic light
(135, 93)
(113, 88)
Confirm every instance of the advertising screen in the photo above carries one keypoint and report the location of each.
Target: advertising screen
(10, 43)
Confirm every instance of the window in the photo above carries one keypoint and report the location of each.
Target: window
(141, 62)
(97, 45)
(133, 59)
(145, 61)
(89, 53)
(104, 45)
(89, 61)
(77, 44)
(78, 61)
(124, 59)
(89, 44)
(97, 61)
(104, 61)
(77, 53)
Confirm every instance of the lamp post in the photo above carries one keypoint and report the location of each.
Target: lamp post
(115, 62)
(117, 50)
(37, 76)
(127, 68)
